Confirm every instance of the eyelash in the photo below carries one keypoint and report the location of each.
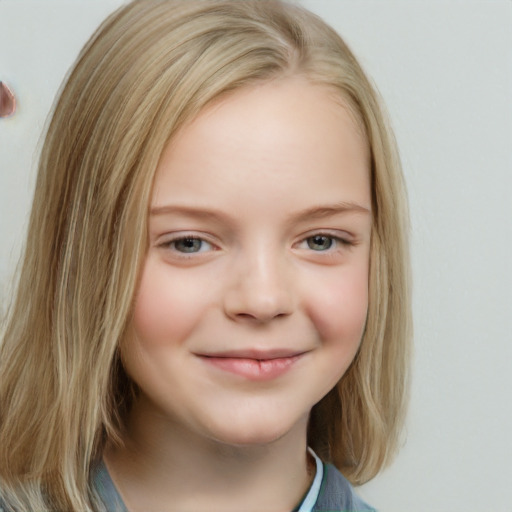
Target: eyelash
(171, 245)
(335, 240)
(335, 244)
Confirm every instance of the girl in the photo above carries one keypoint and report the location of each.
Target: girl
(214, 294)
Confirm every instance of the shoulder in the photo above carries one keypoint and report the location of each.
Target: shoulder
(338, 495)
(105, 489)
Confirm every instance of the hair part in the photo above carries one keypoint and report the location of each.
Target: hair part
(150, 68)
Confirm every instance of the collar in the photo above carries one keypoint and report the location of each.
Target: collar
(312, 496)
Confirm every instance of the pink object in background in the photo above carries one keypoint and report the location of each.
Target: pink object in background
(7, 101)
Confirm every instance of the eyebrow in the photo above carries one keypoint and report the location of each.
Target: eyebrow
(189, 211)
(315, 212)
(329, 210)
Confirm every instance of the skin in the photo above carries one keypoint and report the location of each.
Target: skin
(259, 241)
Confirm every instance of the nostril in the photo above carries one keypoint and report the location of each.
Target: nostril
(261, 317)
(246, 316)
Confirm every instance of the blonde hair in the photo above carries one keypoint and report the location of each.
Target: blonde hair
(150, 68)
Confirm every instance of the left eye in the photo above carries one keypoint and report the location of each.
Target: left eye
(320, 242)
(189, 245)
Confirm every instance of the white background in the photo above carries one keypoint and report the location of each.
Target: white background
(444, 69)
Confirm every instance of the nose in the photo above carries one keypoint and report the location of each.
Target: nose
(260, 289)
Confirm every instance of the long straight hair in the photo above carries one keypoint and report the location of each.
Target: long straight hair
(150, 68)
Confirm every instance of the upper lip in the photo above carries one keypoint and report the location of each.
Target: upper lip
(277, 353)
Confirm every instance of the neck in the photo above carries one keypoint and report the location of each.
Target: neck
(163, 466)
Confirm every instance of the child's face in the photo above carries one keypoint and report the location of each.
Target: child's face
(259, 250)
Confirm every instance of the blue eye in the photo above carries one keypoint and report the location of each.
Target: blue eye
(320, 242)
(190, 245)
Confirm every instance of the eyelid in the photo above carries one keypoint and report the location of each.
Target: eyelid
(343, 236)
(165, 242)
(344, 242)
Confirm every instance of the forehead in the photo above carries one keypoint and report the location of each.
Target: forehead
(286, 134)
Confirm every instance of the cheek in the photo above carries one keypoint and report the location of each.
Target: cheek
(339, 307)
(166, 307)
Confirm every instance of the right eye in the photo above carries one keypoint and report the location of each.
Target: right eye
(188, 245)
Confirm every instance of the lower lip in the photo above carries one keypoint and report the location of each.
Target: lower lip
(254, 369)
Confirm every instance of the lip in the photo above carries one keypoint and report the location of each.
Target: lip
(254, 365)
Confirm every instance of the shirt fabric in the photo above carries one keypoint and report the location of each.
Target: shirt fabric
(329, 492)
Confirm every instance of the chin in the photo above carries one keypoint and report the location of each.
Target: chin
(247, 439)
(257, 433)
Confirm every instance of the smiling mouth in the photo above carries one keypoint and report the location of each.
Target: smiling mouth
(254, 365)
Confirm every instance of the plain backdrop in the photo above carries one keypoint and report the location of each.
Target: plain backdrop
(444, 69)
